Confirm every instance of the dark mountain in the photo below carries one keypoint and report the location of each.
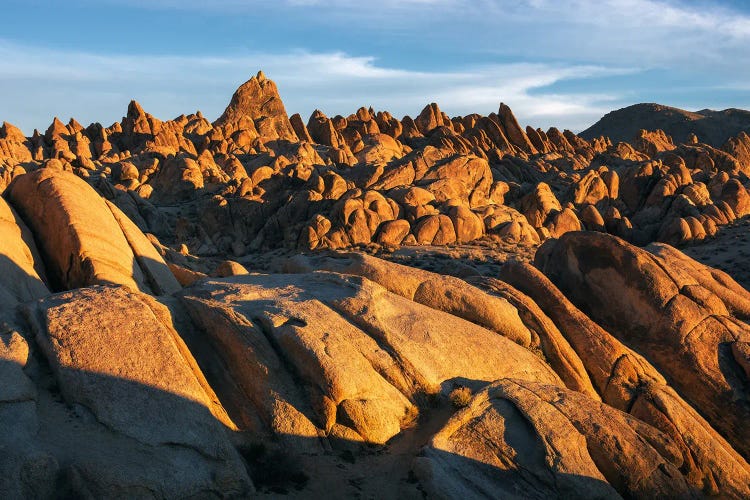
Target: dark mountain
(711, 127)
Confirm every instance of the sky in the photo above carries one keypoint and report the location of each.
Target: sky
(560, 63)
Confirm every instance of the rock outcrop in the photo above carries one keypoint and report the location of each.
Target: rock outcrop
(685, 328)
(522, 437)
(113, 355)
(81, 241)
(347, 306)
(366, 357)
(259, 180)
(257, 109)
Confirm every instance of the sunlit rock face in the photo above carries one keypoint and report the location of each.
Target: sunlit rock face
(256, 179)
(450, 307)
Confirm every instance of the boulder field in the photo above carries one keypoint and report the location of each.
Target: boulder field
(192, 310)
(257, 179)
(603, 370)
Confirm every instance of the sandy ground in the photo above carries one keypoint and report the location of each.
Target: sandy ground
(482, 257)
(729, 251)
(478, 258)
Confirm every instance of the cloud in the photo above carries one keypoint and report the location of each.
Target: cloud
(706, 15)
(38, 83)
(561, 62)
(249, 5)
(710, 35)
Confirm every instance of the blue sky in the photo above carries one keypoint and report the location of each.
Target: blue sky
(555, 62)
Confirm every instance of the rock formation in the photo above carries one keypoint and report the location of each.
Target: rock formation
(711, 127)
(456, 307)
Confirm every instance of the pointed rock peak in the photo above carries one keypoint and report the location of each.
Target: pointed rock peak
(254, 88)
(74, 125)
(513, 130)
(575, 140)
(430, 118)
(11, 132)
(409, 128)
(318, 115)
(506, 115)
(135, 110)
(257, 104)
(56, 128)
(299, 128)
(432, 108)
(94, 128)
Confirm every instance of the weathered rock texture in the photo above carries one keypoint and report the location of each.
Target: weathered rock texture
(177, 318)
(345, 356)
(653, 304)
(255, 179)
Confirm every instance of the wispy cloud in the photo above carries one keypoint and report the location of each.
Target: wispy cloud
(710, 15)
(666, 33)
(561, 62)
(706, 15)
(97, 87)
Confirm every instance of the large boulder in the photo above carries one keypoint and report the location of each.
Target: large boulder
(177, 180)
(115, 355)
(435, 230)
(156, 273)
(627, 381)
(20, 264)
(591, 189)
(539, 441)
(441, 292)
(19, 426)
(539, 204)
(657, 308)
(365, 357)
(392, 232)
(79, 239)
(257, 107)
(460, 177)
(546, 336)
(467, 224)
(379, 149)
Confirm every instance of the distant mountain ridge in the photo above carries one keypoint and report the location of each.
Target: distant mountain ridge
(711, 127)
